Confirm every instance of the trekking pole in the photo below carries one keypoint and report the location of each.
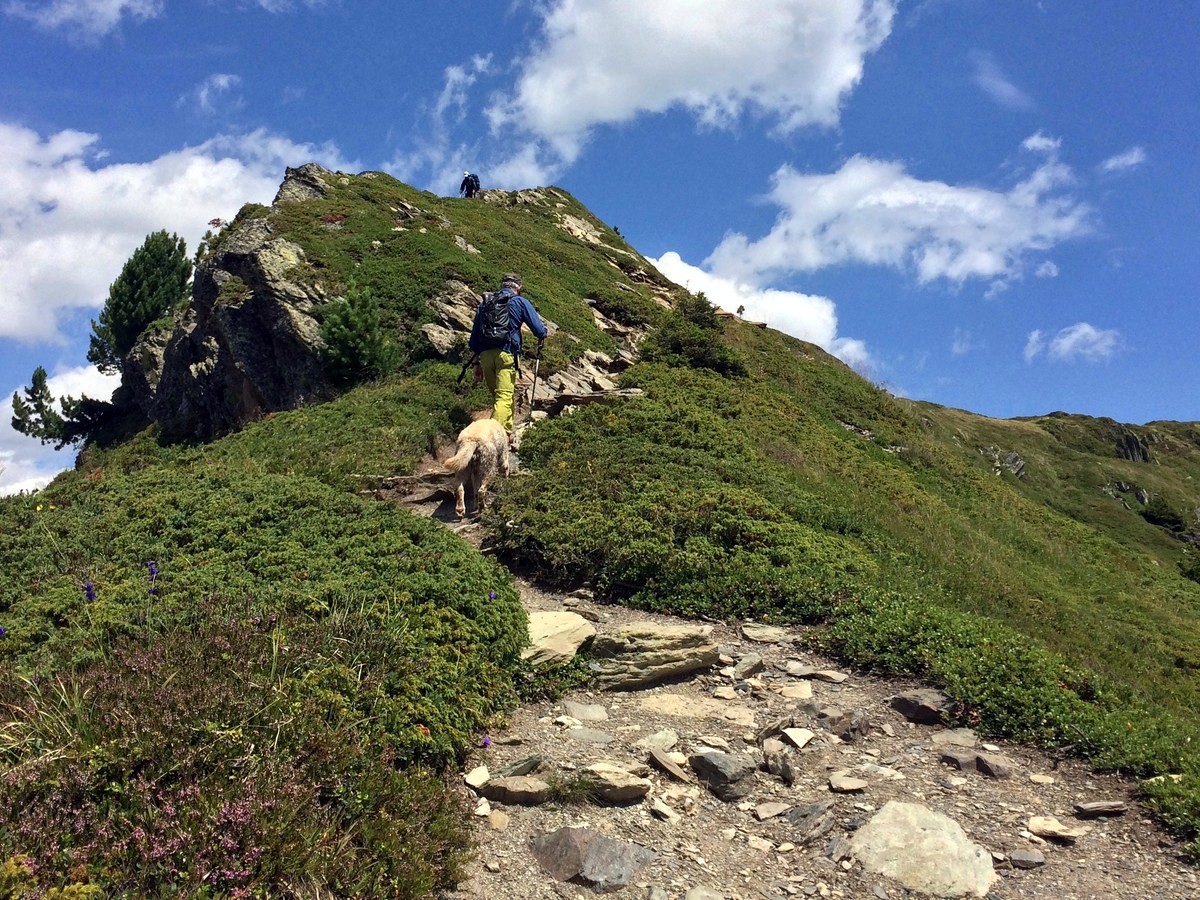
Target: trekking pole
(537, 361)
(463, 374)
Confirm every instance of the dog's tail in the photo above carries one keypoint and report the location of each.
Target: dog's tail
(462, 458)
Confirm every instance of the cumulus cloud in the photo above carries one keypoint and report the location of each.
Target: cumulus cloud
(25, 463)
(214, 91)
(85, 19)
(806, 316)
(873, 212)
(1080, 341)
(1122, 162)
(1047, 270)
(991, 79)
(607, 61)
(961, 345)
(67, 224)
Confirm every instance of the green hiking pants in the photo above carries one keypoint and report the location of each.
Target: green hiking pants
(500, 375)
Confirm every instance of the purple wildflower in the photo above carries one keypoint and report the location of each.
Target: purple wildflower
(152, 570)
(3, 631)
(487, 742)
(491, 595)
(89, 591)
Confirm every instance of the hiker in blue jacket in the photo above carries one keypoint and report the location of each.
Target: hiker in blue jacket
(498, 356)
(470, 185)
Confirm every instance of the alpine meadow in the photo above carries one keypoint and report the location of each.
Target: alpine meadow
(230, 666)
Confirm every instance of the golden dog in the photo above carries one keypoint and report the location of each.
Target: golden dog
(482, 452)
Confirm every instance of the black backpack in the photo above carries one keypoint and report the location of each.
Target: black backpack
(495, 323)
(473, 182)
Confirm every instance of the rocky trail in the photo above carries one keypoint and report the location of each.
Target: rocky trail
(725, 761)
(772, 773)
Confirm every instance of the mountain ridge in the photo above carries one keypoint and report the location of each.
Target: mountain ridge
(1027, 567)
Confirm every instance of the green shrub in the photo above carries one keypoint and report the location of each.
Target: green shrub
(356, 346)
(690, 335)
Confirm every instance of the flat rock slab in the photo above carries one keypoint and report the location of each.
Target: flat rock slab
(955, 737)
(644, 653)
(586, 857)
(556, 636)
(1052, 829)
(763, 634)
(586, 712)
(589, 736)
(845, 783)
(801, 690)
(924, 706)
(1097, 808)
(661, 761)
(924, 850)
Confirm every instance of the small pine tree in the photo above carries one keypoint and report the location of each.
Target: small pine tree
(35, 415)
(356, 347)
(152, 281)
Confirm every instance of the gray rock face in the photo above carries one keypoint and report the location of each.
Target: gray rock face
(248, 345)
(924, 850)
(583, 856)
(644, 653)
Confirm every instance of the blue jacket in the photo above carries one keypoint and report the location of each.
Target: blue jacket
(520, 311)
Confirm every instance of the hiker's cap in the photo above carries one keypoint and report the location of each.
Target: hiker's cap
(511, 279)
(466, 172)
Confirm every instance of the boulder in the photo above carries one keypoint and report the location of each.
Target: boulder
(613, 784)
(924, 850)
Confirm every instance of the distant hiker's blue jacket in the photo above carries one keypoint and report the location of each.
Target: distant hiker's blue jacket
(520, 311)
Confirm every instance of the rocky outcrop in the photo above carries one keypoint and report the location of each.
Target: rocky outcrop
(248, 344)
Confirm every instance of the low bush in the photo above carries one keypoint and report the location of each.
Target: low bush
(236, 757)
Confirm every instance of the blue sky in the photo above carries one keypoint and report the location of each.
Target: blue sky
(992, 206)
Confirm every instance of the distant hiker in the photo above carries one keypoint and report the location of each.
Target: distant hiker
(496, 342)
(470, 185)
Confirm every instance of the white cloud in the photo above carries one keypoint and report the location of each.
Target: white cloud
(434, 158)
(607, 61)
(808, 317)
(214, 90)
(1034, 345)
(961, 345)
(1122, 162)
(1080, 341)
(86, 19)
(1047, 270)
(992, 80)
(25, 463)
(873, 212)
(68, 225)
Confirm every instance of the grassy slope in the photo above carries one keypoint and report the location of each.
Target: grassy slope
(1051, 610)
